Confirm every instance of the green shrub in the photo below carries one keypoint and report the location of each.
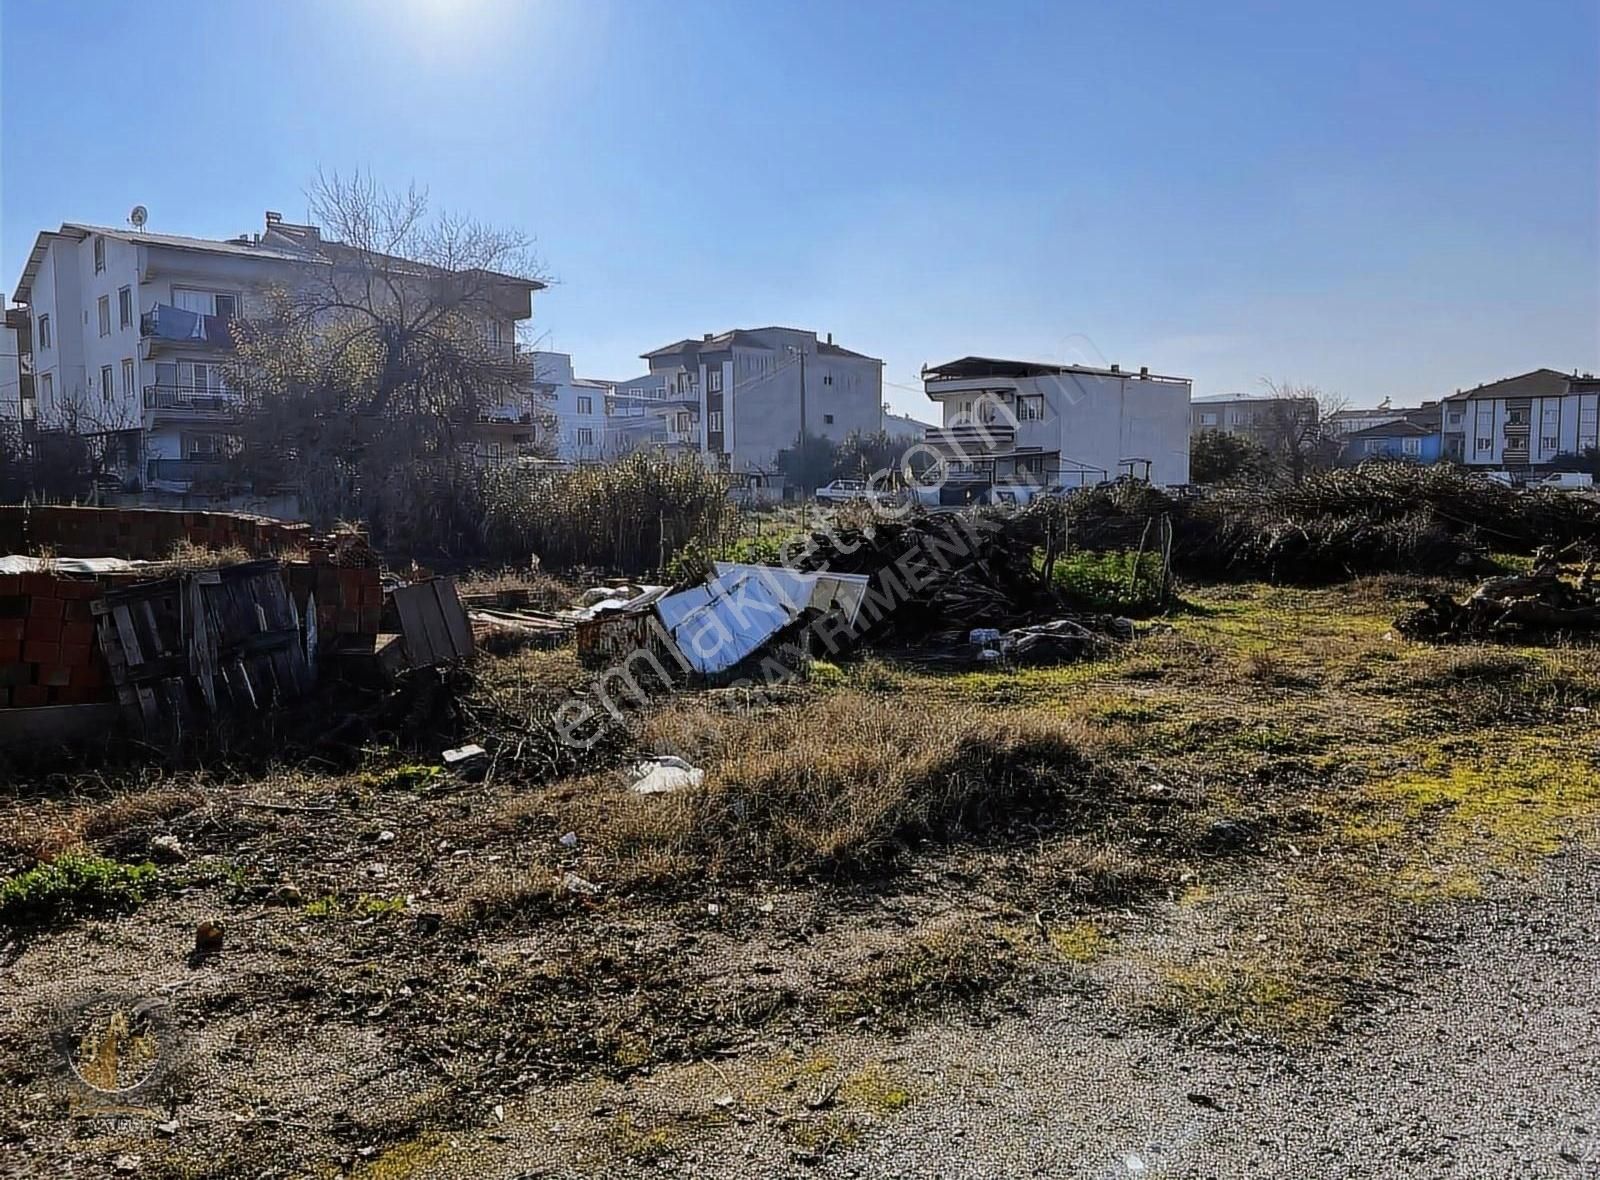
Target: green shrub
(1110, 582)
(72, 885)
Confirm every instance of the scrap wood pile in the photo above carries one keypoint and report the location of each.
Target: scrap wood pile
(1540, 606)
(969, 571)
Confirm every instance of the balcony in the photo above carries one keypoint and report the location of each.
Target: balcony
(976, 439)
(199, 470)
(165, 324)
(181, 401)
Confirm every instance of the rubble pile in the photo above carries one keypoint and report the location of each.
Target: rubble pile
(1540, 606)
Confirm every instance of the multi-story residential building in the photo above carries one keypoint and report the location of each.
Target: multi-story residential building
(571, 409)
(1046, 424)
(1523, 422)
(1350, 421)
(904, 425)
(1257, 416)
(741, 397)
(16, 368)
(131, 334)
(1411, 434)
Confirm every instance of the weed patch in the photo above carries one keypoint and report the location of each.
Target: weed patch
(73, 885)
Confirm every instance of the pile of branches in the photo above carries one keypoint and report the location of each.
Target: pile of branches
(1381, 516)
(946, 572)
(1537, 607)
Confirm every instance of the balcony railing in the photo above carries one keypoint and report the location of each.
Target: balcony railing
(188, 470)
(181, 326)
(973, 438)
(183, 399)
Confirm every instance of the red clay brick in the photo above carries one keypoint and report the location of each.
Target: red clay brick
(39, 651)
(78, 612)
(54, 675)
(41, 585)
(10, 651)
(10, 584)
(27, 696)
(76, 654)
(42, 627)
(10, 629)
(45, 608)
(77, 632)
(89, 675)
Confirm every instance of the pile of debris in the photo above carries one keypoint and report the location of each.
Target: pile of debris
(1538, 607)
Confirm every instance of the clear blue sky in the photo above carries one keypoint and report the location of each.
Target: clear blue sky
(1380, 199)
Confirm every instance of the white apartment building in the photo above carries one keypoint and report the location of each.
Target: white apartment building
(740, 397)
(1045, 424)
(1249, 415)
(1522, 422)
(572, 408)
(131, 335)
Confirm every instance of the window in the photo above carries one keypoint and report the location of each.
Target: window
(1411, 446)
(1208, 418)
(105, 383)
(494, 333)
(714, 421)
(1371, 445)
(99, 255)
(585, 405)
(219, 303)
(47, 383)
(585, 436)
(714, 380)
(44, 331)
(827, 378)
(683, 422)
(127, 375)
(1550, 442)
(1238, 417)
(1030, 408)
(1517, 418)
(105, 315)
(124, 306)
(1485, 444)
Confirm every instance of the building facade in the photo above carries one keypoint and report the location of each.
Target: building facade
(132, 341)
(741, 397)
(1045, 424)
(571, 410)
(1260, 417)
(1522, 423)
(1414, 436)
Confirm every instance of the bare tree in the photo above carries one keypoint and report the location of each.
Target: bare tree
(80, 442)
(1297, 431)
(368, 378)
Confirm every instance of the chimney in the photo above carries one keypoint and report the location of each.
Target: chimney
(830, 341)
(274, 218)
(707, 337)
(1116, 369)
(1144, 372)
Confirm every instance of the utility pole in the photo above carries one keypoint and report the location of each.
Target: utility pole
(802, 393)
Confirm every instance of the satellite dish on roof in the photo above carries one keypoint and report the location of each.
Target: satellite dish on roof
(137, 216)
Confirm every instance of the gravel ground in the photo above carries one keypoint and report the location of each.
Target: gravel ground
(1487, 1065)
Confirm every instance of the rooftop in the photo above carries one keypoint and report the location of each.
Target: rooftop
(1536, 383)
(986, 366)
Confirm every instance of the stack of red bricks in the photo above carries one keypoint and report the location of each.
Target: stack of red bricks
(349, 600)
(48, 654)
(142, 533)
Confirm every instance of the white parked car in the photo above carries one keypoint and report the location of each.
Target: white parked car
(844, 489)
(1568, 481)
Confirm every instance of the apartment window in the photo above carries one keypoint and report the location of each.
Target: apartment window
(218, 303)
(1517, 418)
(1550, 442)
(1371, 445)
(683, 423)
(585, 436)
(127, 375)
(105, 383)
(494, 333)
(104, 305)
(1209, 418)
(1238, 417)
(585, 405)
(714, 421)
(714, 380)
(1485, 444)
(47, 384)
(99, 255)
(124, 306)
(827, 378)
(1411, 446)
(44, 331)
(827, 419)
(1030, 408)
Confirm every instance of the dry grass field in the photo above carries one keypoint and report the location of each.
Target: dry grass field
(1231, 831)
